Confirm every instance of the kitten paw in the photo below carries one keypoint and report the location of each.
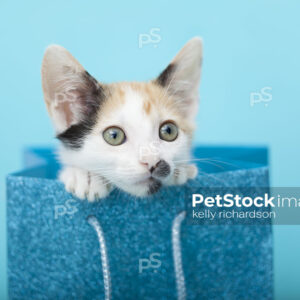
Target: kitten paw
(84, 184)
(183, 173)
(192, 171)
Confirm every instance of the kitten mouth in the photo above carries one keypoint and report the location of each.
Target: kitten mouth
(152, 184)
(144, 180)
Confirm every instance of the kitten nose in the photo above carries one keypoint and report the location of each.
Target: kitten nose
(160, 169)
(151, 165)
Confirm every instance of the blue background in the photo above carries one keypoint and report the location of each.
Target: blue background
(248, 45)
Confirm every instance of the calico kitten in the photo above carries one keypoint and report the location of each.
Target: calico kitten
(135, 136)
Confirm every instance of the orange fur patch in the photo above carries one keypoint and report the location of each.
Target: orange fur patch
(156, 102)
(147, 107)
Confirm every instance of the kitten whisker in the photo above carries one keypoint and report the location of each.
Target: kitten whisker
(212, 176)
(209, 160)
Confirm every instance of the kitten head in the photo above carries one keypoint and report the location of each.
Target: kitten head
(134, 134)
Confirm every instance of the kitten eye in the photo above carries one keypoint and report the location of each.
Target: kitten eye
(168, 131)
(114, 136)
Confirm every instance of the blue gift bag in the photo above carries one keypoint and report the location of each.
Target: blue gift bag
(127, 248)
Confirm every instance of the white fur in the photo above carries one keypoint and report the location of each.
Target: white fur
(83, 184)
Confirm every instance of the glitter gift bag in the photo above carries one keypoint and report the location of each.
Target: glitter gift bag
(127, 248)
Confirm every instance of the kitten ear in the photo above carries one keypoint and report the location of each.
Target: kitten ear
(70, 93)
(181, 77)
